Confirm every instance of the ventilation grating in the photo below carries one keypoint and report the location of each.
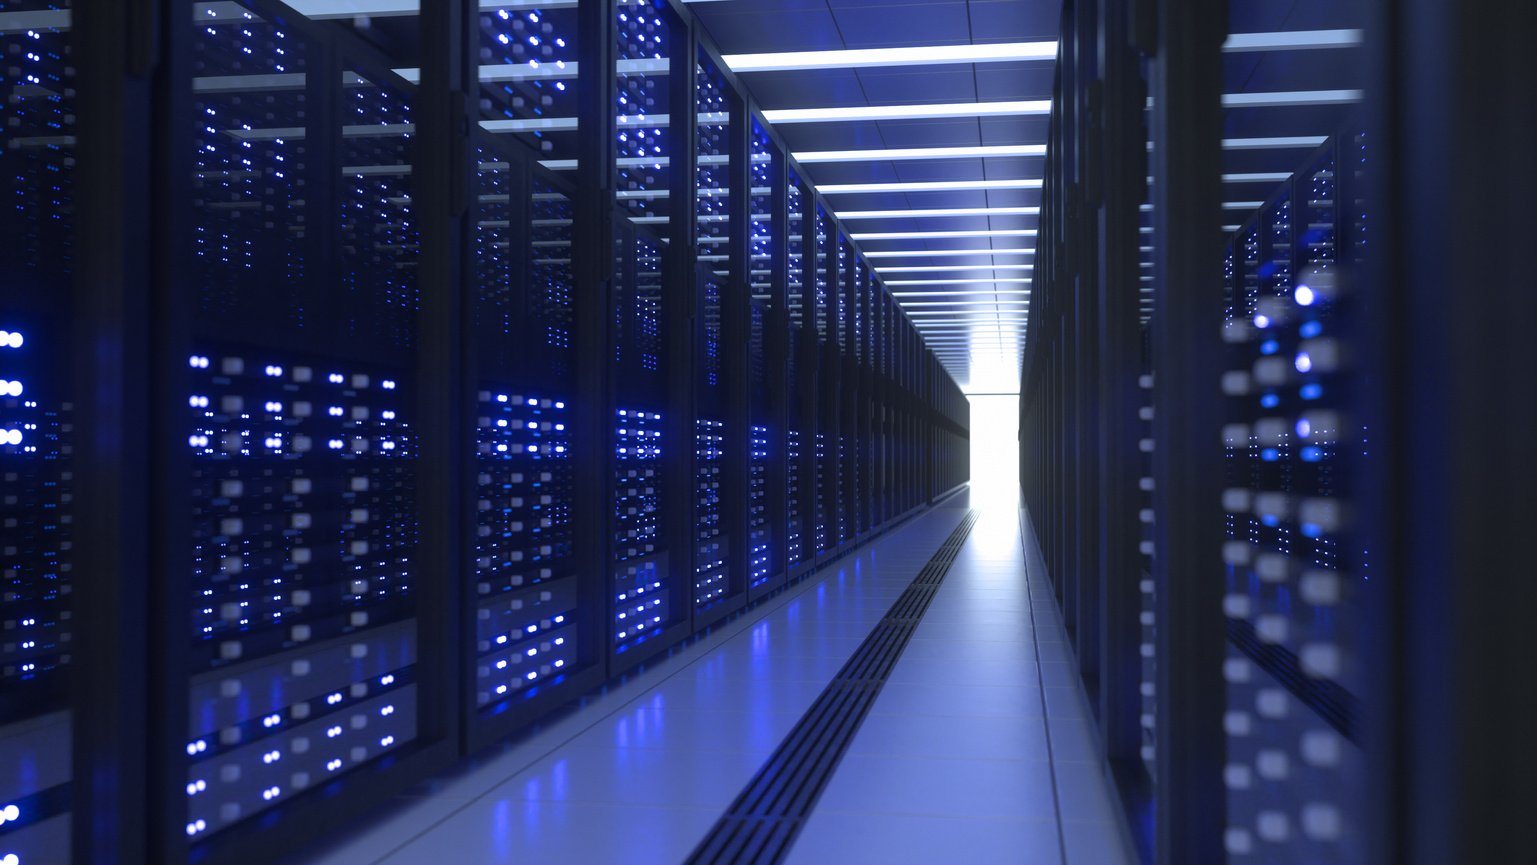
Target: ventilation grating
(761, 825)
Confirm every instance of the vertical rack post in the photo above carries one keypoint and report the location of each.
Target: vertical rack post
(1187, 133)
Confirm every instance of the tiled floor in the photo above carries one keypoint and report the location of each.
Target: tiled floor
(977, 749)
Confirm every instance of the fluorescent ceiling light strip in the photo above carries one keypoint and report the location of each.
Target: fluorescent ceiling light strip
(957, 281)
(909, 304)
(907, 112)
(931, 214)
(1298, 142)
(962, 314)
(1287, 98)
(1284, 98)
(389, 8)
(949, 293)
(901, 153)
(638, 161)
(323, 9)
(942, 253)
(1258, 177)
(1252, 177)
(960, 320)
(536, 70)
(864, 58)
(928, 186)
(569, 124)
(1293, 41)
(954, 268)
(919, 235)
(1226, 205)
(1295, 141)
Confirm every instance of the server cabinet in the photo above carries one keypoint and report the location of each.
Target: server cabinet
(1293, 570)
(650, 595)
(309, 650)
(652, 297)
(801, 491)
(768, 388)
(536, 638)
(37, 441)
(718, 554)
(825, 382)
(715, 579)
(865, 508)
(841, 442)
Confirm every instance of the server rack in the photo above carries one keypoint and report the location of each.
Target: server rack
(388, 327)
(1224, 446)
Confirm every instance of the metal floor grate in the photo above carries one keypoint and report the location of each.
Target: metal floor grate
(761, 825)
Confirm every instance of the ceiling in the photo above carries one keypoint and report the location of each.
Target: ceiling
(969, 302)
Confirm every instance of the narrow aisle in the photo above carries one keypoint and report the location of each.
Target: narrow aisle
(978, 748)
(638, 775)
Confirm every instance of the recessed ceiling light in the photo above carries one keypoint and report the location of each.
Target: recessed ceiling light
(928, 186)
(965, 314)
(942, 212)
(901, 153)
(1282, 99)
(911, 303)
(919, 235)
(1292, 141)
(954, 268)
(956, 281)
(1293, 40)
(948, 293)
(922, 55)
(907, 112)
(943, 253)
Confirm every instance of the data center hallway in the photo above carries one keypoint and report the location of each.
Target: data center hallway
(976, 749)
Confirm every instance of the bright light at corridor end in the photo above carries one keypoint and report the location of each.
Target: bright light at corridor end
(995, 459)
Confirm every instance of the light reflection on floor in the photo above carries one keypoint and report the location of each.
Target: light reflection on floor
(952, 765)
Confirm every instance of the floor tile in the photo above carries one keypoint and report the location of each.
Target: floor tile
(956, 628)
(940, 671)
(1097, 844)
(850, 839)
(656, 725)
(959, 788)
(635, 776)
(1083, 793)
(739, 662)
(1073, 740)
(963, 651)
(1065, 702)
(911, 698)
(957, 737)
(560, 833)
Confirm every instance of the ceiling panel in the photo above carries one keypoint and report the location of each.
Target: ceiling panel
(920, 84)
(745, 27)
(967, 318)
(1013, 130)
(1013, 20)
(826, 88)
(889, 25)
(997, 82)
